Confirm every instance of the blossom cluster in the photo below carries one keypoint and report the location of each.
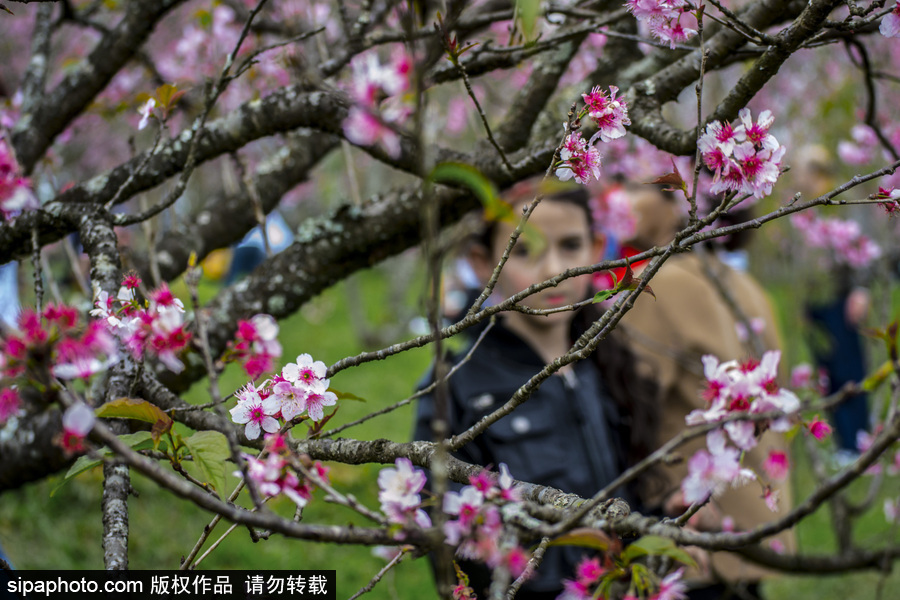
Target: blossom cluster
(844, 237)
(15, 190)
(155, 328)
(378, 107)
(663, 19)
(275, 475)
(733, 388)
(300, 387)
(478, 525)
(580, 159)
(398, 492)
(256, 345)
(55, 339)
(745, 159)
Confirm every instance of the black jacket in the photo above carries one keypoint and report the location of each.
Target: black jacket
(564, 435)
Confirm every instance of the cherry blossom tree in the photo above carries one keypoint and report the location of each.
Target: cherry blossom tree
(160, 131)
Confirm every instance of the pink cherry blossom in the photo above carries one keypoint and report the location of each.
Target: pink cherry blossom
(15, 191)
(776, 465)
(255, 411)
(744, 159)
(589, 570)
(399, 489)
(890, 24)
(256, 344)
(672, 31)
(819, 429)
(663, 19)
(9, 404)
(891, 509)
(610, 114)
(758, 133)
(578, 160)
(292, 398)
(78, 420)
(146, 111)
(317, 400)
(612, 211)
(672, 587)
(305, 371)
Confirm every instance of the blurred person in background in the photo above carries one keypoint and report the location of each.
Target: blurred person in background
(838, 303)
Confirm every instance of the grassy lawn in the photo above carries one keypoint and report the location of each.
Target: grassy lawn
(63, 531)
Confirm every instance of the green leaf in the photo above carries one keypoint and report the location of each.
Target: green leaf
(874, 381)
(209, 450)
(481, 186)
(528, 14)
(655, 545)
(346, 395)
(495, 208)
(129, 408)
(588, 538)
(601, 296)
(136, 441)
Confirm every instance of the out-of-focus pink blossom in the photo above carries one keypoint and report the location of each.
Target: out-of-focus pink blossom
(146, 111)
(776, 465)
(819, 429)
(15, 191)
(663, 19)
(844, 237)
(708, 474)
(78, 420)
(672, 587)
(891, 509)
(256, 345)
(9, 404)
(890, 24)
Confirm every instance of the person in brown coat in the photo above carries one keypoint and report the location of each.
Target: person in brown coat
(692, 317)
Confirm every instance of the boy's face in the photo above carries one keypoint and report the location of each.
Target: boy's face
(567, 243)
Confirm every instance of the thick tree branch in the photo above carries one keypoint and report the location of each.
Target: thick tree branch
(37, 128)
(290, 166)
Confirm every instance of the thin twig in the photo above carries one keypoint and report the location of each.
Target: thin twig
(454, 58)
(207, 530)
(378, 576)
(537, 557)
(426, 390)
